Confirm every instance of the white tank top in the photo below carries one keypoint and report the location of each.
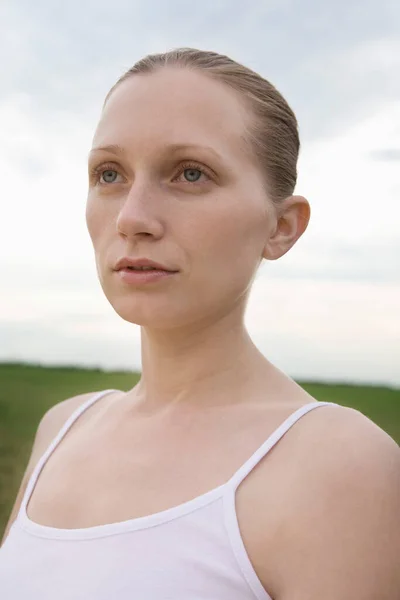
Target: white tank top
(193, 551)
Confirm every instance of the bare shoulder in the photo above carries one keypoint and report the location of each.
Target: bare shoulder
(345, 439)
(57, 415)
(342, 529)
(346, 455)
(49, 425)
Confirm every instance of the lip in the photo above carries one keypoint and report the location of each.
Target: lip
(131, 277)
(126, 261)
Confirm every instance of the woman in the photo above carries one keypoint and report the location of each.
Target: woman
(203, 481)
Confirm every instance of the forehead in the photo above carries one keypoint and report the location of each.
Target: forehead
(174, 106)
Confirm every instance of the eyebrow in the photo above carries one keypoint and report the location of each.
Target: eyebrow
(117, 149)
(179, 147)
(113, 148)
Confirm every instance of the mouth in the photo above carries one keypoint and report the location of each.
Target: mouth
(143, 275)
(141, 265)
(145, 269)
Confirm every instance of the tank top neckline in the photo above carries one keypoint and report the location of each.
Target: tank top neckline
(226, 490)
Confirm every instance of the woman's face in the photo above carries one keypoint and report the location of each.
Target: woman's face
(171, 179)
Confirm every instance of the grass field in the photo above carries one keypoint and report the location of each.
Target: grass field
(27, 391)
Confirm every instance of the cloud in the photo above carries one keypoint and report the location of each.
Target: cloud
(57, 343)
(334, 62)
(335, 295)
(336, 331)
(387, 154)
(340, 330)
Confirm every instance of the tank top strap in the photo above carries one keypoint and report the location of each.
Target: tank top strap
(56, 440)
(273, 439)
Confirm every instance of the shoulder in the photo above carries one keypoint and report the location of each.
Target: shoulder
(342, 531)
(57, 415)
(348, 443)
(49, 425)
(351, 467)
(348, 451)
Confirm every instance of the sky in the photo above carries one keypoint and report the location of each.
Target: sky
(329, 310)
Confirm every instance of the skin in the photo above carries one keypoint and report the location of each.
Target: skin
(319, 516)
(215, 231)
(331, 527)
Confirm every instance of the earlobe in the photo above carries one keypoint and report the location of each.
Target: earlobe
(292, 221)
(271, 251)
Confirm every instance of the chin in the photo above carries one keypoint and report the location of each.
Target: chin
(145, 313)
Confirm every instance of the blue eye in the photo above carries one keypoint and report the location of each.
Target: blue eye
(192, 175)
(109, 175)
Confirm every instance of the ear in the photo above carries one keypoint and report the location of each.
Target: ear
(292, 218)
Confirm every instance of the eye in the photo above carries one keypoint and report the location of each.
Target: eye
(105, 174)
(108, 176)
(192, 173)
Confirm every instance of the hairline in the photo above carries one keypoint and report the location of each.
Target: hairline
(247, 137)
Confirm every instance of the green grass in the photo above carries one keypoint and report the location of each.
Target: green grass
(28, 391)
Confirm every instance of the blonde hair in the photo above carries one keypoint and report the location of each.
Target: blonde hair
(273, 133)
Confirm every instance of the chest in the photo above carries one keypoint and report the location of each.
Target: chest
(99, 475)
(102, 475)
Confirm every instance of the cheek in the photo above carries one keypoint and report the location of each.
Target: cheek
(96, 218)
(90, 216)
(228, 248)
(236, 237)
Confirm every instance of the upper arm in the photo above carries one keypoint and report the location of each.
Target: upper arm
(343, 536)
(50, 424)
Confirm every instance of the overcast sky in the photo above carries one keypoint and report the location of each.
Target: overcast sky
(329, 309)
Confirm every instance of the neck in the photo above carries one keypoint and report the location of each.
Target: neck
(209, 364)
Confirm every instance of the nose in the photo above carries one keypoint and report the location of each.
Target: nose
(139, 215)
